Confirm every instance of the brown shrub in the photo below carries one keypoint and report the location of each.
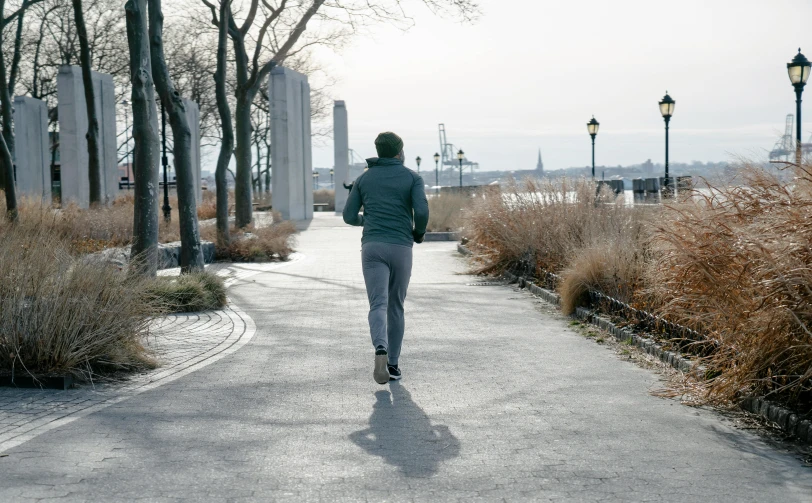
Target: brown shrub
(261, 242)
(61, 314)
(445, 212)
(737, 265)
(734, 264)
(207, 208)
(86, 231)
(546, 224)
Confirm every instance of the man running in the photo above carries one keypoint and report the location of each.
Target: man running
(395, 216)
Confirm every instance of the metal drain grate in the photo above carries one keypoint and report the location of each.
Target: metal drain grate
(487, 283)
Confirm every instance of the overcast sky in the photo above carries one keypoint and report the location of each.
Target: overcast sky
(529, 74)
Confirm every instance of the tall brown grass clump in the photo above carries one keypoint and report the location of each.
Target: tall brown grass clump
(736, 265)
(564, 227)
(257, 243)
(85, 230)
(445, 211)
(61, 314)
(207, 209)
(188, 293)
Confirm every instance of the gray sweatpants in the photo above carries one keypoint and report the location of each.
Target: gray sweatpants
(387, 271)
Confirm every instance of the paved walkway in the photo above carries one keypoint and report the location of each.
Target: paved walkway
(500, 400)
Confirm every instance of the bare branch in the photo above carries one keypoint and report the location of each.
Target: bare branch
(26, 4)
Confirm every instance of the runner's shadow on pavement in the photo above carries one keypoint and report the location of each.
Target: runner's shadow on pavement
(403, 435)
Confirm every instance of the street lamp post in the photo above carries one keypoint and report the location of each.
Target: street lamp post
(417, 160)
(332, 172)
(667, 110)
(460, 157)
(127, 141)
(592, 126)
(436, 173)
(798, 71)
(165, 160)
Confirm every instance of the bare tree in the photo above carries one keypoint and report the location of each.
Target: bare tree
(250, 76)
(227, 145)
(6, 89)
(94, 163)
(279, 37)
(145, 134)
(191, 254)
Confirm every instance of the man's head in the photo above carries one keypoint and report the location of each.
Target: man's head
(388, 145)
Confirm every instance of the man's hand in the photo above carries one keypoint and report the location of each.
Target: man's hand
(418, 238)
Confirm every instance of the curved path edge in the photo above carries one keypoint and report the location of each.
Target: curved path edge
(244, 331)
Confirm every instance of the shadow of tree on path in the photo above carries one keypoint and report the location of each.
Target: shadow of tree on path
(402, 434)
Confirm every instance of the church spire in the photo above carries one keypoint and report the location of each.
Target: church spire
(540, 165)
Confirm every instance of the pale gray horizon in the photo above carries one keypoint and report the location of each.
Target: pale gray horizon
(530, 74)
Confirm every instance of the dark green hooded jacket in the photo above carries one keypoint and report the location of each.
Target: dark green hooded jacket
(394, 202)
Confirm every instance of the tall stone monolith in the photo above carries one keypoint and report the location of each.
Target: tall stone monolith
(291, 148)
(73, 156)
(32, 153)
(341, 148)
(193, 116)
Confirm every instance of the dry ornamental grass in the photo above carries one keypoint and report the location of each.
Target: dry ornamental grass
(446, 212)
(734, 264)
(60, 314)
(63, 311)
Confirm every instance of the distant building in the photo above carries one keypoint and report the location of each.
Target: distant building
(540, 165)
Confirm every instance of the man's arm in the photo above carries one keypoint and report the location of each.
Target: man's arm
(353, 206)
(421, 208)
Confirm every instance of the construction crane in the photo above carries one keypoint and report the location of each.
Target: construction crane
(448, 154)
(785, 146)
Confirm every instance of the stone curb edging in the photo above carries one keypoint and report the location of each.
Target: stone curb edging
(788, 421)
(169, 254)
(463, 250)
(647, 344)
(235, 341)
(441, 236)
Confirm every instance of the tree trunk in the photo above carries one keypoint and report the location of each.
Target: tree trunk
(8, 132)
(94, 166)
(259, 164)
(18, 39)
(191, 254)
(268, 173)
(8, 172)
(146, 153)
(227, 144)
(242, 190)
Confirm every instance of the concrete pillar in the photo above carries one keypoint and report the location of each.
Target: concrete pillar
(341, 164)
(73, 142)
(652, 190)
(32, 154)
(291, 149)
(193, 116)
(639, 190)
